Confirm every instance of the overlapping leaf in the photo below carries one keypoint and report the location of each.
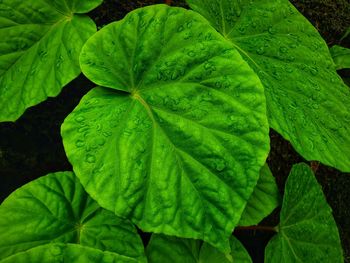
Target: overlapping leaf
(56, 209)
(40, 43)
(308, 103)
(167, 249)
(263, 201)
(177, 140)
(60, 252)
(307, 231)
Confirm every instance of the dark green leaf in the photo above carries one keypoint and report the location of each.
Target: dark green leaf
(177, 141)
(307, 230)
(168, 249)
(307, 102)
(55, 208)
(263, 201)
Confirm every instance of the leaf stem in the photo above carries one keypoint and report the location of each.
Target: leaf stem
(260, 228)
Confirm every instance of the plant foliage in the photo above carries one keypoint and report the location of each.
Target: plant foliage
(307, 230)
(307, 101)
(177, 140)
(40, 45)
(56, 209)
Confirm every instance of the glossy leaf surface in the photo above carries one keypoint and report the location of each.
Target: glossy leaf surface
(341, 56)
(55, 208)
(167, 249)
(59, 252)
(177, 140)
(263, 201)
(40, 44)
(307, 101)
(307, 231)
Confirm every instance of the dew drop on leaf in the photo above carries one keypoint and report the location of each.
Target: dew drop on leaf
(90, 158)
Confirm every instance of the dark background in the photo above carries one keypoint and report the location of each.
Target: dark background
(31, 147)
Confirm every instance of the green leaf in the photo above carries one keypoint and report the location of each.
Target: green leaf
(263, 201)
(307, 231)
(238, 254)
(40, 44)
(55, 208)
(341, 56)
(177, 142)
(307, 102)
(59, 252)
(168, 249)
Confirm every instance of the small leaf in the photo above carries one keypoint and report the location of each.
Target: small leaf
(56, 209)
(40, 45)
(59, 252)
(307, 102)
(341, 56)
(263, 201)
(176, 141)
(307, 231)
(168, 249)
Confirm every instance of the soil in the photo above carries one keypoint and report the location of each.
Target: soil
(31, 147)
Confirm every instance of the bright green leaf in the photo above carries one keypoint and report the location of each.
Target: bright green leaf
(307, 230)
(263, 201)
(177, 141)
(168, 249)
(59, 252)
(55, 208)
(40, 43)
(307, 102)
(341, 56)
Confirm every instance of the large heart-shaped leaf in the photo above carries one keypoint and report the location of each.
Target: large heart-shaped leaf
(177, 141)
(60, 252)
(308, 103)
(55, 208)
(307, 230)
(263, 201)
(40, 43)
(167, 249)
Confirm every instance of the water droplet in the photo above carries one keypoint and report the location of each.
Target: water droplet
(191, 54)
(90, 158)
(180, 29)
(271, 30)
(107, 134)
(79, 119)
(220, 165)
(260, 50)
(283, 49)
(79, 143)
(100, 141)
(55, 250)
(314, 71)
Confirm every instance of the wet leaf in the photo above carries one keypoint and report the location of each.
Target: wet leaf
(307, 230)
(40, 45)
(307, 101)
(56, 209)
(59, 252)
(176, 138)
